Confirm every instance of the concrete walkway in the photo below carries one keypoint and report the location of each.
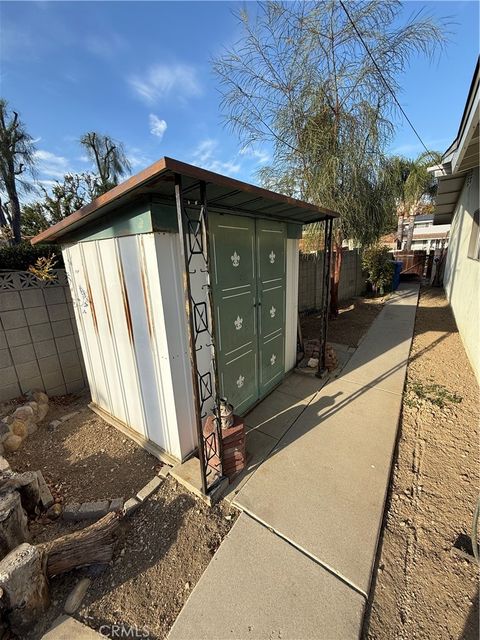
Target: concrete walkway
(298, 562)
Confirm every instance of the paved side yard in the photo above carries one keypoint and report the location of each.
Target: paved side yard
(303, 550)
(422, 591)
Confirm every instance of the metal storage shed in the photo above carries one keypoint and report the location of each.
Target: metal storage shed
(185, 287)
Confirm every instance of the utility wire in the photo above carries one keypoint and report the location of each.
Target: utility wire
(360, 37)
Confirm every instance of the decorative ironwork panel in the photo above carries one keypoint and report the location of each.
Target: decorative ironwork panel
(193, 229)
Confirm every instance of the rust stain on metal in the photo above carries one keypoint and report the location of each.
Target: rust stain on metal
(145, 298)
(126, 304)
(92, 306)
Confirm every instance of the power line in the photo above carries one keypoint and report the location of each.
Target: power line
(360, 37)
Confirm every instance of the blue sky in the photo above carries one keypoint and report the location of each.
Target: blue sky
(140, 71)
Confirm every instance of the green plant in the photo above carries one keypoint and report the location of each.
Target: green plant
(43, 268)
(377, 262)
(20, 257)
(437, 394)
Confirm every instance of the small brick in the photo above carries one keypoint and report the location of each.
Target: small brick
(130, 506)
(227, 451)
(149, 488)
(70, 512)
(93, 510)
(164, 471)
(237, 466)
(116, 504)
(234, 457)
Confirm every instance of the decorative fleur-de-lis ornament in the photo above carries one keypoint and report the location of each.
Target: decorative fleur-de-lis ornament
(272, 257)
(238, 323)
(273, 359)
(235, 259)
(240, 381)
(273, 311)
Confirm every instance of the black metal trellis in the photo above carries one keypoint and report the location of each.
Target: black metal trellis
(327, 260)
(193, 229)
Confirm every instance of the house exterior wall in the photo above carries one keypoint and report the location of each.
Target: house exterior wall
(462, 273)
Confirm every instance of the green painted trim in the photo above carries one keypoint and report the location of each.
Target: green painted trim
(144, 215)
(294, 231)
(136, 218)
(164, 217)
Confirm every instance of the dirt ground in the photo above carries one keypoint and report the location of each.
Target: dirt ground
(84, 458)
(162, 550)
(354, 318)
(422, 590)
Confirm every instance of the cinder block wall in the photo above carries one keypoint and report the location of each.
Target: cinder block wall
(310, 279)
(39, 345)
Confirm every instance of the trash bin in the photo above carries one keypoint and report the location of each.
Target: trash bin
(396, 274)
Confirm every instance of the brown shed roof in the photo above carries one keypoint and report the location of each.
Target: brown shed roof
(223, 193)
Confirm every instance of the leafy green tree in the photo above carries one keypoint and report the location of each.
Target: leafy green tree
(399, 169)
(414, 189)
(64, 197)
(109, 157)
(17, 160)
(301, 81)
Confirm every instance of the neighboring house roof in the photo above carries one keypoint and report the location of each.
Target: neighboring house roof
(460, 157)
(425, 217)
(431, 236)
(224, 193)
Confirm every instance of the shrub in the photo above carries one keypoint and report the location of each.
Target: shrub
(19, 257)
(377, 262)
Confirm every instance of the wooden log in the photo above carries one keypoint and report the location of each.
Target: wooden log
(13, 523)
(92, 545)
(27, 485)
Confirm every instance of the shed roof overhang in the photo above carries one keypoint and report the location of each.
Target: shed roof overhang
(223, 194)
(460, 157)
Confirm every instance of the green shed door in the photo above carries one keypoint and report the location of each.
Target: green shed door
(248, 284)
(232, 241)
(271, 261)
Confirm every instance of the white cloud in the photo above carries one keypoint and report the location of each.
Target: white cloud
(157, 126)
(137, 158)
(161, 80)
(257, 154)
(51, 165)
(205, 156)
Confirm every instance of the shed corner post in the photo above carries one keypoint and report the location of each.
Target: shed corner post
(200, 320)
(327, 260)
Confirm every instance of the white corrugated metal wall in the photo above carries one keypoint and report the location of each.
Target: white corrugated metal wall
(128, 302)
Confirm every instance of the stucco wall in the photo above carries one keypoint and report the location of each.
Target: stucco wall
(462, 274)
(39, 346)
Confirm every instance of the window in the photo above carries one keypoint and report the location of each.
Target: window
(474, 245)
